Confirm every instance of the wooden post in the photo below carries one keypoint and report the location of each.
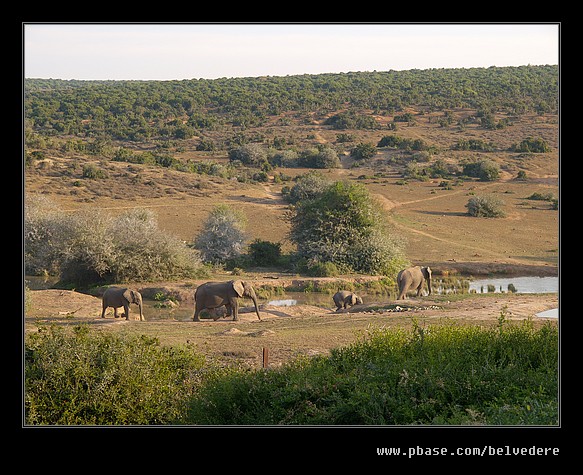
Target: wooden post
(265, 357)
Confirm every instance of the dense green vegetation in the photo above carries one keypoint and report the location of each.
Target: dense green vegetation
(341, 229)
(87, 377)
(446, 374)
(144, 110)
(434, 375)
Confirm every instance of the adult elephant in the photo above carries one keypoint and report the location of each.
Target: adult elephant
(121, 297)
(215, 294)
(344, 298)
(412, 279)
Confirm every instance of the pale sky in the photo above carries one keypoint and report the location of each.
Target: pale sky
(210, 51)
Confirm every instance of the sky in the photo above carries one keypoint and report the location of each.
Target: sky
(128, 51)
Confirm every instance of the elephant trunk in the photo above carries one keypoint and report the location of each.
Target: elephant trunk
(254, 298)
(429, 285)
(139, 302)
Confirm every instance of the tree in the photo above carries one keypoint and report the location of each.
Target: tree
(223, 235)
(307, 186)
(344, 226)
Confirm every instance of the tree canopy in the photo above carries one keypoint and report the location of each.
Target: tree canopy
(141, 110)
(344, 226)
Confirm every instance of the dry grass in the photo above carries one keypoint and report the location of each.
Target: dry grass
(433, 221)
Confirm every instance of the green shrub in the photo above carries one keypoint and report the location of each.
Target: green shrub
(541, 196)
(319, 157)
(323, 269)
(363, 151)
(430, 375)
(351, 120)
(532, 145)
(92, 172)
(344, 225)
(485, 170)
(265, 253)
(88, 377)
(485, 207)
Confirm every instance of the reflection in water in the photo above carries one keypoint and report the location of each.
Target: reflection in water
(283, 303)
(522, 285)
(552, 313)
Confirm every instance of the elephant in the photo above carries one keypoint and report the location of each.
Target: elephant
(121, 297)
(216, 294)
(343, 298)
(412, 278)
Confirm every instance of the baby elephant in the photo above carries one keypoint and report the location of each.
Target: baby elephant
(121, 297)
(344, 298)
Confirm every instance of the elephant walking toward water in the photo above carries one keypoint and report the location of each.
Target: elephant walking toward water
(412, 279)
(216, 294)
(121, 297)
(344, 298)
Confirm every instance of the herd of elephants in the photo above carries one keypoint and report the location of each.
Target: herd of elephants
(211, 295)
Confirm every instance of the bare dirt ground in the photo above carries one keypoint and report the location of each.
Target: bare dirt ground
(288, 332)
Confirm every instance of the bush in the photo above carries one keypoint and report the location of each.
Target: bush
(93, 378)
(320, 157)
(46, 228)
(363, 151)
(532, 145)
(323, 269)
(265, 253)
(485, 170)
(92, 247)
(395, 141)
(223, 235)
(92, 172)
(485, 207)
(541, 196)
(250, 154)
(350, 120)
(428, 375)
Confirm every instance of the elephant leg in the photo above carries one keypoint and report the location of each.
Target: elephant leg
(195, 317)
(126, 309)
(104, 308)
(419, 289)
(115, 312)
(235, 310)
(229, 310)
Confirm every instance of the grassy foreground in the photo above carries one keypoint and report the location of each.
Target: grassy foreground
(435, 375)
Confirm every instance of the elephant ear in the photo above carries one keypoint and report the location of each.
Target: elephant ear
(238, 287)
(136, 296)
